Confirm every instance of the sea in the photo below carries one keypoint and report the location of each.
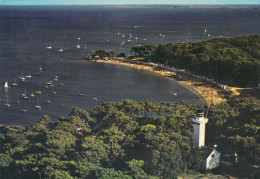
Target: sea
(47, 43)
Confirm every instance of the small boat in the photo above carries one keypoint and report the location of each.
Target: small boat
(49, 83)
(38, 106)
(130, 35)
(61, 50)
(78, 46)
(136, 38)
(85, 47)
(95, 98)
(48, 100)
(25, 97)
(22, 78)
(32, 95)
(28, 76)
(80, 94)
(205, 32)
(123, 43)
(54, 92)
(16, 102)
(8, 105)
(56, 77)
(14, 84)
(6, 85)
(7, 101)
(38, 92)
(61, 83)
(24, 110)
(49, 47)
(40, 68)
(174, 93)
(78, 38)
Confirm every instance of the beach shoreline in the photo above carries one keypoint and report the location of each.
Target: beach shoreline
(209, 93)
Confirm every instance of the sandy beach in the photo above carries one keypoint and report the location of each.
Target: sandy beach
(207, 91)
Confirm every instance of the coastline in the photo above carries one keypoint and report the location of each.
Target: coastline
(209, 93)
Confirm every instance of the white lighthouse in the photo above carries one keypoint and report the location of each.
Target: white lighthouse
(199, 130)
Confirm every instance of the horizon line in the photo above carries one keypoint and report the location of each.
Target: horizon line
(117, 4)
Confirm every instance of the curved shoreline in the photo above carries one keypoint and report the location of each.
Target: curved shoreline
(206, 91)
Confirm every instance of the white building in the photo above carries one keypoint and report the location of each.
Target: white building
(199, 130)
(213, 159)
(212, 156)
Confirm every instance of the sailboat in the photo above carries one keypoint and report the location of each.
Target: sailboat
(48, 100)
(85, 47)
(38, 106)
(7, 101)
(14, 84)
(22, 78)
(25, 97)
(28, 76)
(40, 68)
(24, 110)
(205, 32)
(78, 46)
(6, 85)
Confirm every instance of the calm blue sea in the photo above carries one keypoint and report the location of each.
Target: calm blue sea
(26, 31)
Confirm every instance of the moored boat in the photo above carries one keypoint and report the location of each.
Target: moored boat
(25, 97)
(38, 106)
(14, 83)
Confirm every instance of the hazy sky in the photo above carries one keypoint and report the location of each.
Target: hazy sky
(98, 2)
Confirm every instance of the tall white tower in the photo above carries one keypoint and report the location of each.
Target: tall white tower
(199, 130)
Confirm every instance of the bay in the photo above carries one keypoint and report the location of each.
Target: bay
(26, 31)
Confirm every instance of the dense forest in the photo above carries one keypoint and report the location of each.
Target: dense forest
(131, 139)
(234, 61)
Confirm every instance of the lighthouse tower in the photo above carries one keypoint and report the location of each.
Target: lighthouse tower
(199, 130)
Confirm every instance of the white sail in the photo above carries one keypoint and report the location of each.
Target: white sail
(6, 84)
